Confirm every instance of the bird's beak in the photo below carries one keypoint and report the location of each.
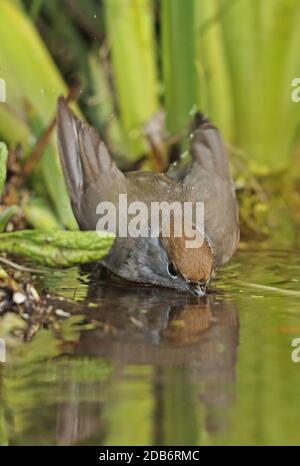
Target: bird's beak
(197, 289)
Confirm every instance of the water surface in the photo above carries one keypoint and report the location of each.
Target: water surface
(153, 367)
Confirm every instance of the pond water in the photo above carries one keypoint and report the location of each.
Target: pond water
(152, 367)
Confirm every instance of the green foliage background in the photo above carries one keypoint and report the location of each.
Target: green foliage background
(232, 59)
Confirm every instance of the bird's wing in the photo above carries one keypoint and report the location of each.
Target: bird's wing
(207, 179)
(207, 147)
(90, 173)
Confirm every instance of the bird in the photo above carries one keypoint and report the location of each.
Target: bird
(92, 176)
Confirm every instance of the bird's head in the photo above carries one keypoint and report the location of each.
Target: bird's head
(191, 266)
(169, 260)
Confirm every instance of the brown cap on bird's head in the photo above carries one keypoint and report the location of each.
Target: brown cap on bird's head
(194, 264)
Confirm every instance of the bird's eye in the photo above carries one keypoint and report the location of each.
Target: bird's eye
(172, 270)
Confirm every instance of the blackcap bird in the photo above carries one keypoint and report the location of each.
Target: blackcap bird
(92, 177)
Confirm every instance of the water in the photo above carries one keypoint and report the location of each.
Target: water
(152, 367)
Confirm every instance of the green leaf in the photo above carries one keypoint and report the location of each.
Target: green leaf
(50, 170)
(179, 61)
(261, 40)
(3, 273)
(101, 108)
(214, 93)
(6, 215)
(40, 216)
(33, 83)
(58, 248)
(131, 38)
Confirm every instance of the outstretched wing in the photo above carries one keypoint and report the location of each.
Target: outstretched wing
(206, 179)
(207, 147)
(90, 173)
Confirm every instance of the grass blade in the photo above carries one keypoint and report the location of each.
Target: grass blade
(214, 83)
(179, 61)
(131, 40)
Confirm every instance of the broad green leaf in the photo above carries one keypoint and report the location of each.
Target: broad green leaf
(57, 248)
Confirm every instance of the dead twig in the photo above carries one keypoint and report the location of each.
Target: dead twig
(18, 267)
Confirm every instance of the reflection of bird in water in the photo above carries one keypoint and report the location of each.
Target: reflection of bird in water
(186, 324)
(160, 329)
